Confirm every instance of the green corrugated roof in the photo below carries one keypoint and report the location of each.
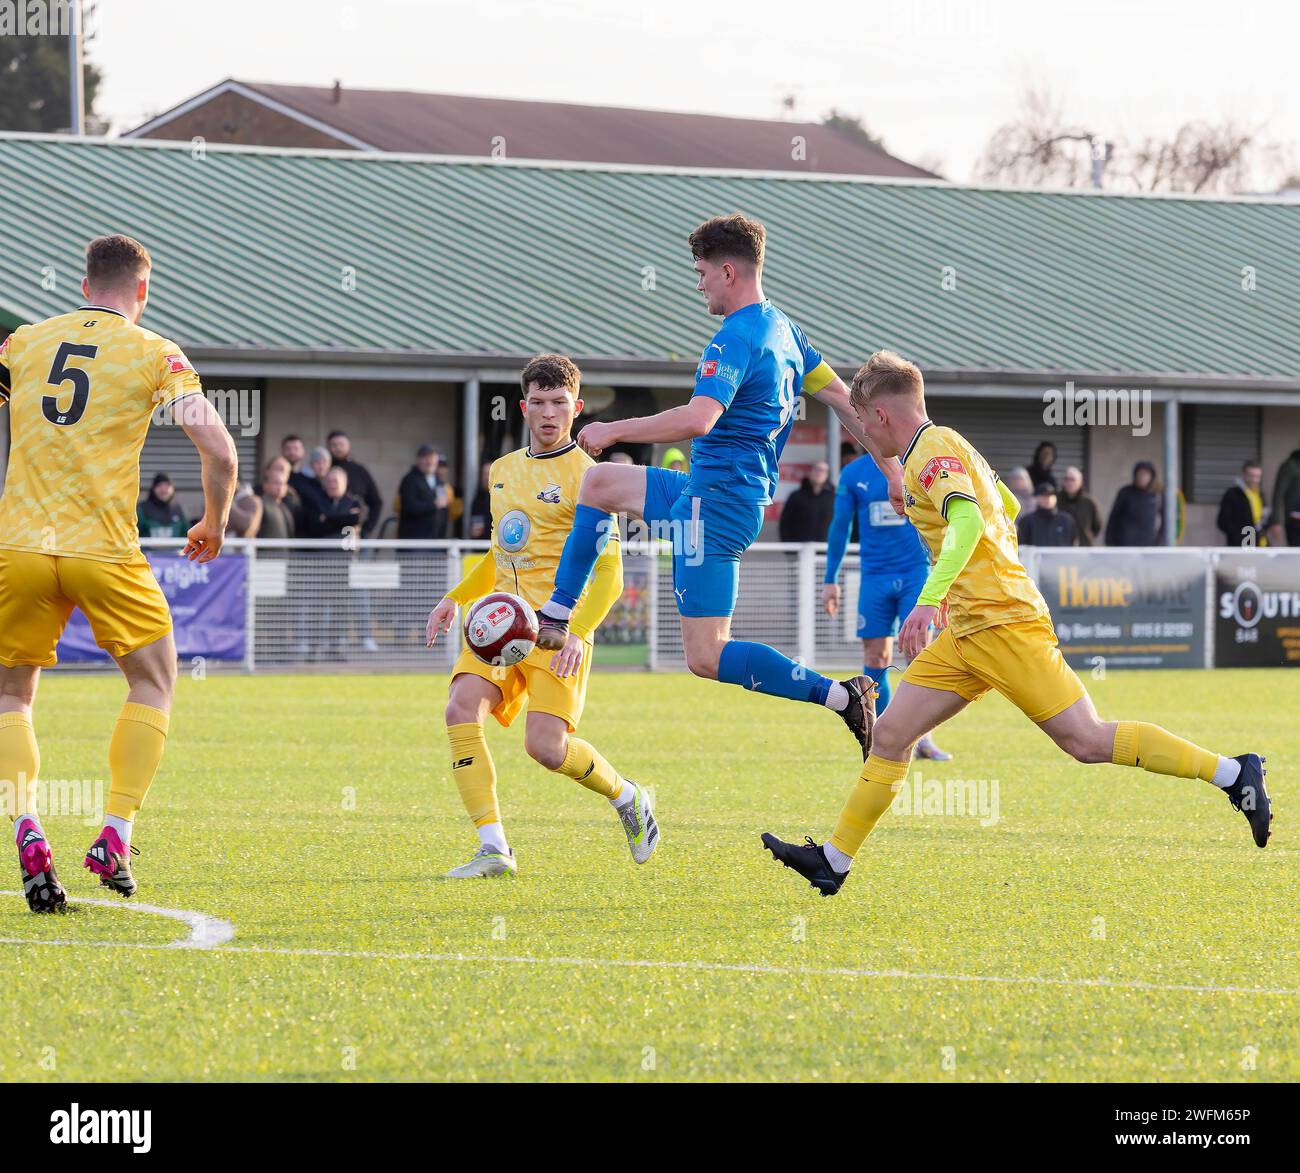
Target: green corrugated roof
(462, 258)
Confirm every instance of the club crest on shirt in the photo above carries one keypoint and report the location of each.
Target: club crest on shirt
(940, 466)
(550, 494)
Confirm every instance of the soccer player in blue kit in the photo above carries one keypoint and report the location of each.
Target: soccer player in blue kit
(747, 386)
(895, 565)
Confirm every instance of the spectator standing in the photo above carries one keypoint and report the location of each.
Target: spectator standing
(245, 513)
(360, 483)
(1242, 508)
(1284, 523)
(1137, 517)
(1042, 468)
(480, 510)
(448, 498)
(1083, 508)
(419, 513)
(336, 512)
(806, 515)
(293, 451)
(280, 518)
(310, 487)
(1017, 480)
(160, 515)
(1046, 526)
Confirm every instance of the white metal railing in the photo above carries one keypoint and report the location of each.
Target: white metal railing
(362, 605)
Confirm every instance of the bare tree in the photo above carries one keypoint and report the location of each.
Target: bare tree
(1040, 149)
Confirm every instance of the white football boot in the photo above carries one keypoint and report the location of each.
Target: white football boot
(639, 823)
(485, 863)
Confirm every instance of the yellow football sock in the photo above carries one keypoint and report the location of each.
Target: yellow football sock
(879, 784)
(585, 765)
(1151, 748)
(475, 773)
(136, 748)
(20, 765)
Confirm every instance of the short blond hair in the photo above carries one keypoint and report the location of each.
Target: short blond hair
(886, 373)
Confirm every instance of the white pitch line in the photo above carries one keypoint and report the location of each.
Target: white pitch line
(206, 932)
(699, 966)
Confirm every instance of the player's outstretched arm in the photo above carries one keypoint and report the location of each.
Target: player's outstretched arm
(836, 396)
(686, 422)
(837, 541)
(220, 467)
(478, 582)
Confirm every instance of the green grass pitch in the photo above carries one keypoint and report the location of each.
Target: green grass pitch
(1113, 919)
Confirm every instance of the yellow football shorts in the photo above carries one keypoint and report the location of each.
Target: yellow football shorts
(123, 601)
(1020, 660)
(531, 681)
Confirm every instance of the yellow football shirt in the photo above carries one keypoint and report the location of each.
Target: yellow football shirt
(533, 499)
(993, 587)
(82, 388)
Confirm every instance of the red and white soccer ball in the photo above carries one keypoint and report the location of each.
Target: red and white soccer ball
(501, 629)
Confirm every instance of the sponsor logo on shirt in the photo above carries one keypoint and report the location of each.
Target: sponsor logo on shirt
(550, 494)
(940, 466)
(709, 369)
(512, 533)
(729, 374)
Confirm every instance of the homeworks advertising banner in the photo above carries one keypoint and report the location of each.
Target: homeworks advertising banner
(1139, 608)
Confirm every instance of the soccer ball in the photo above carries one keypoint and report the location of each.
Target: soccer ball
(501, 629)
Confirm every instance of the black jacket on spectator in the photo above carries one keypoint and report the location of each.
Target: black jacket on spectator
(1137, 517)
(311, 493)
(806, 516)
(1047, 527)
(1236, 521)
(1086, 514)
(419, 516)
(328, 519)
(362, 485)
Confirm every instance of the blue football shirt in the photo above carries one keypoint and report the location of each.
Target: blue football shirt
(754, 367)
(889, 543)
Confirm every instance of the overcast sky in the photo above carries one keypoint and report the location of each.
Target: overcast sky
(933, 77)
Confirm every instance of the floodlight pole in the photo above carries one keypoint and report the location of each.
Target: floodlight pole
(76, 87)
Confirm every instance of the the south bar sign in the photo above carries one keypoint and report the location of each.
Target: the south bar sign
(1257, 609)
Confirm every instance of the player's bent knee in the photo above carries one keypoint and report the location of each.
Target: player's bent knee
(703, 665)
(546, 752)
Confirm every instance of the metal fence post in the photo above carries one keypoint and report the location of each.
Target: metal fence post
(652, 588)
(806, 593)
(250, 607)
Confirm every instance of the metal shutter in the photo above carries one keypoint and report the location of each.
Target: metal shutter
(168, 449)
(1218, 440)
(1006, 431)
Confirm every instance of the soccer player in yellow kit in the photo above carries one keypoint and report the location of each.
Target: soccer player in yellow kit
(999, 635)
(533, 493)
(81, 389)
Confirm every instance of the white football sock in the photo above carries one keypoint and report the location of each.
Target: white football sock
(624, 796)
(836, 858)
(554, 610)
(493, 837)
(122, 827)
(837, 697)
(1225, 773)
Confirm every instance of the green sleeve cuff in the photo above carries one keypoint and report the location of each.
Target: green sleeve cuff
(965, 527)
(1009, 500)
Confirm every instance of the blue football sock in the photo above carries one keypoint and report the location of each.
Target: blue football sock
(591, 530)
(762, 669)
(881, 677)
